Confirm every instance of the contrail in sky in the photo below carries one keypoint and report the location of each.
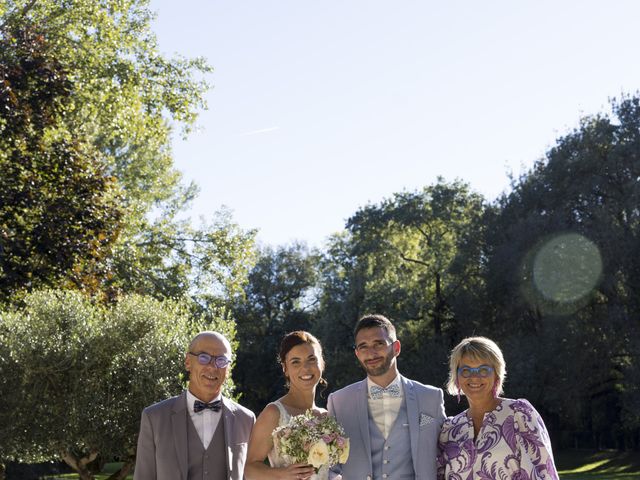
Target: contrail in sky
(256, 132)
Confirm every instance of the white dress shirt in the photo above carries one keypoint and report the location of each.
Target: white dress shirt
(385, 410)
(205, 420)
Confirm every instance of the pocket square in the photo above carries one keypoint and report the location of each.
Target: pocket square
(425, 419)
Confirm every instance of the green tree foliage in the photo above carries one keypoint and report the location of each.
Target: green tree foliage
(59, 208)
(341, 304)
(172, 258)
(84, 372)
(100, 104)
(125, 91)
(415, 258)
(10, 374)
(587, 187)
(279, 298)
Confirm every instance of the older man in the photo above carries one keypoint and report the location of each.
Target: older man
(199, 434)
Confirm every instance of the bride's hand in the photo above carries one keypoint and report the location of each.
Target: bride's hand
(298, 471)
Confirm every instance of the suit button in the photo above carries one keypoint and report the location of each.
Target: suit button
(384, 475)
(385, 461)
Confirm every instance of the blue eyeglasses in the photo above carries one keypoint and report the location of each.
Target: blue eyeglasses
(483, 371)
(205, 359)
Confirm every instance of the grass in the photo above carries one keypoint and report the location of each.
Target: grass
(571, 464)
(604, 465)
(109, 469)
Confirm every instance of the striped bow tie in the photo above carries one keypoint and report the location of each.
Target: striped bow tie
(198, 406)
(392, 390)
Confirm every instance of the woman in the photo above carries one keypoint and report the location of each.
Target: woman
(495, 437)
(302, 364)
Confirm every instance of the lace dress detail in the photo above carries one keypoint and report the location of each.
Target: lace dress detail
(275, 460)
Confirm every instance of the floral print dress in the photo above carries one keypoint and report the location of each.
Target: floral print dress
(512, 444)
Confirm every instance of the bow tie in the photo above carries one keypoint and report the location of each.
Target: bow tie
(198, 406)
(392, 390)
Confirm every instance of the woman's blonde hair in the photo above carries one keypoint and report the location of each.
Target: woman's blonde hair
(481, 349)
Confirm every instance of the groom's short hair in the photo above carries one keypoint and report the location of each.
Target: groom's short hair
(375, 320)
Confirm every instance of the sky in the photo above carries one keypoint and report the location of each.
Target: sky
(320, 108)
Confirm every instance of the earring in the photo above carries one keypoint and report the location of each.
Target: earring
(458, 395)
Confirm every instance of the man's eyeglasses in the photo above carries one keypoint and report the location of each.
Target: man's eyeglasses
(481, 371)
(205, 359)
(375, 346)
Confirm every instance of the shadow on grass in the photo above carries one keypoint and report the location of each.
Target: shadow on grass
(571, 464)
(604, 465)
(108, 470)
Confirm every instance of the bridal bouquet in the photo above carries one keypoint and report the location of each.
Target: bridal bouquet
(317, 440)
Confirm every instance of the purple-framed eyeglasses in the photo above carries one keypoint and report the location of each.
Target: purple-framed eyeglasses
(220, 361)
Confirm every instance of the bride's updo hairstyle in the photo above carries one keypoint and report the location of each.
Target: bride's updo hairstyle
(300, 337)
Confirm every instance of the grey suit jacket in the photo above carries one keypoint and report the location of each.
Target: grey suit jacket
(425, 409)
(162, 441)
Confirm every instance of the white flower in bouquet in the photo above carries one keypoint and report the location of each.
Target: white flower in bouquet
(313, 439)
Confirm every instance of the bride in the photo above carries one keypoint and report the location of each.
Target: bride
(302, 363)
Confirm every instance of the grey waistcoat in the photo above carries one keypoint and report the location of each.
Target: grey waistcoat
(209, 464)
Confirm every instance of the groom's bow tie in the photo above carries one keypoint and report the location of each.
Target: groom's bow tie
(392, 390)
(198, 406)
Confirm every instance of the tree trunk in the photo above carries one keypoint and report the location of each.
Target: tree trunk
(80, 464)
(437, 314)
(124, 470)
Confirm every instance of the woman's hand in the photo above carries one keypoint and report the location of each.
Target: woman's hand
(298, 471)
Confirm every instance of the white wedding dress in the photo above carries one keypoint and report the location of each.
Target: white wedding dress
(274, 456)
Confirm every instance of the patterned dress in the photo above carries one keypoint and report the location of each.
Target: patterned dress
(512, 444)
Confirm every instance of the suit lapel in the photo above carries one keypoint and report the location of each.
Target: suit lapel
(362, 406)
(179, 425)
(228, 418)
(412, 416)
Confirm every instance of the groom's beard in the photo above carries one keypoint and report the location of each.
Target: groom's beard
(380, 369)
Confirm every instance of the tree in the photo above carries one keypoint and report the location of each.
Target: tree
(572, 224)
(107, 94)
(124, 93)
(423, 251)
(342, 294)
(60, 210)
(279, 298)
(416, 258)
(86, 372)
(168, 260)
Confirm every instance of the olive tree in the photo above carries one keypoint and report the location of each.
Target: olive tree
(86, 371)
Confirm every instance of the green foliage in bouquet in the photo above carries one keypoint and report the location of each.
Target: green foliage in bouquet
(314, 439)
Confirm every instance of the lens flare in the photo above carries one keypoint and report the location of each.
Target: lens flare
(566, 268)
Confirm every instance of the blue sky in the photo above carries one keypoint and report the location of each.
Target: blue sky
(318, 108)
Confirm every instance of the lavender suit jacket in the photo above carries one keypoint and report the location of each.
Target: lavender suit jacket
(425, 409)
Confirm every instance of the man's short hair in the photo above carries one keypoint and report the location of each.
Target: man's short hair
(375, 320)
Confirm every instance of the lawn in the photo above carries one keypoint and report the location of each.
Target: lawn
(572, 465)
(605, 465)
(109, 469)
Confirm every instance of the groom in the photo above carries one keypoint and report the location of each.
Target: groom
(200, 433)
(392, 422)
